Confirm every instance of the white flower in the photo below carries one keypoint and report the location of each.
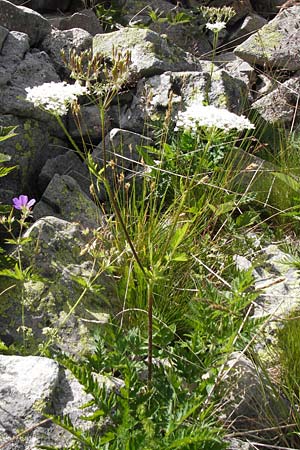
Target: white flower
(198, 115)
(55, 97)
(216, 27)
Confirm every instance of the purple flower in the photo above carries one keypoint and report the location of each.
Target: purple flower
(22, 202)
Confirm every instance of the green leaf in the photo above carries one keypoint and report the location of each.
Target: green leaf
(178, 237)
(181, 257)
(7, 132)
(6, 170)
(223, 208)
(291, 182)
(144, 151)
(247, 218)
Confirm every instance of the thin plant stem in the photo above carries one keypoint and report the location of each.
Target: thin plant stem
(150, 332)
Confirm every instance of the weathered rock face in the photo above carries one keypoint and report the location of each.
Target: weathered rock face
(65, 40)
(85, 20)
(63, 198)
(68, 163)
(31, 386)
(188, 37)
(29, 150)
(54, 300)
(250, 399)
(281, 105)
(25, 20)
(251, 24)
(21, 68)
(275, 45)
(151, 54)
(21, 404)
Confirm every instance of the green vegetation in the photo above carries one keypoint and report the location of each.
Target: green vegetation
(169, 242)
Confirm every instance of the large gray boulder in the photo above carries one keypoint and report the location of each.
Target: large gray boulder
(189, 36)
(20, 18)
(19, 69)
(67, 163)
(57, 309)
(29, 150)
(151, 54)
(32, 386)
(277, 44)
(66, 40)
(85, 19)
(27, 385)
(281, 105)
(250, 400)
(63, 198)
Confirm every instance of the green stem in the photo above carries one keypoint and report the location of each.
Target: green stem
(150, 332)
(62, 125)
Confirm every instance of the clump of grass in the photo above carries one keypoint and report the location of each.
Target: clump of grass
(288, 341)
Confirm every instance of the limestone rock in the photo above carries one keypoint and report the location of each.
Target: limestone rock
(65, 40)
(29, 150)
(275, 45)
(17, 73)
(151, 54)
(65, 164)
(251, 24)
(64, 198)
(3, 34)
(58, 310)
(251, 402)
(20, 18)
(31, 386)
(85, 19)
(280, 105)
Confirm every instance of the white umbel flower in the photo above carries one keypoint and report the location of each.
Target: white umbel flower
(198, 115)
(216, 27)
(55, 97)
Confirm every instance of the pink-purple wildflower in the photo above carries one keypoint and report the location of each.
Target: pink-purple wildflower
(23, 203)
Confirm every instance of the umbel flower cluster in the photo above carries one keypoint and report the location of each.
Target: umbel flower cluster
(198, 115)
(216, 27)
(55, 97)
